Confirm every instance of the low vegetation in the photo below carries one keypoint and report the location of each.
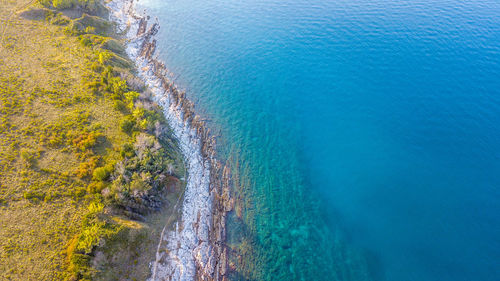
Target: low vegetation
(85, 156)
(91, 6)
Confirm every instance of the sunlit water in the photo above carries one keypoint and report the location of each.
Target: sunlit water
(367, 133)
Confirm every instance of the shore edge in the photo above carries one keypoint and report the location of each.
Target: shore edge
(196, 249)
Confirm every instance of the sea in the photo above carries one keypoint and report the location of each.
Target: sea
(363, 136)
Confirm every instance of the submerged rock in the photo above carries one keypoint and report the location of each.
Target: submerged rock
(195, 250)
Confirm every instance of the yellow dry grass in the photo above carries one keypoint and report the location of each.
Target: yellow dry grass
(42, 202)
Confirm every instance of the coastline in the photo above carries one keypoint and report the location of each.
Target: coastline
(195, 250)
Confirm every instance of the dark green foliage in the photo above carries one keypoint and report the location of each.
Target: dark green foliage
(93, 230)
(80, 265)
(139, 183)
(99, 25)
(120, 62)
(120, 105)
(86, 25)
(127, 125)
(113, 46)
(58, 19)
(153, 117)
(142, 173)
(75, 28)
(52, 150)
(85, 41)
(127, 151)
(34, 196)
(88, 5)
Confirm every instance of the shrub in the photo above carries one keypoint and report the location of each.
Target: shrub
(119, 105)
(102, 173)
(85, 41)
(89, 5)
(85, 169)
(96, 187)
(138, 183)
(86, 140)
(28, 157)
(127, 150)
(138, 113)
(94, 208)
(130, 97)
(118, 85)
(113, 46)
(59, 19)
(104, 56)
(127, 125)
(63, 4)
(89, 29)
(33, 195)
(90, 235)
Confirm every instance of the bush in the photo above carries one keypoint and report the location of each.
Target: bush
(138, 183)
(120, 105)
(63, 4)
(33, 195)
(59, 19)
(118, 85)
(85, 169)
(86, 140)
(28, 157)
(130, 97)
(89, 29)
(79, 265)
(102, 173)
(96, 187)
(85, 41)
(104, 56)
(127, 125)
(89, 5)
(127, 150)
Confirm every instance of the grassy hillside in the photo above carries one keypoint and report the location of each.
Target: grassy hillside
(86, 159)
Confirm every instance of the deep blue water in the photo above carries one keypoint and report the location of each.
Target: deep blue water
(365, 134)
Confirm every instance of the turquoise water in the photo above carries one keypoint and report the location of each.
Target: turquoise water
(364, 135)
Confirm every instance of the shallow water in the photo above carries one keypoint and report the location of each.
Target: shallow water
(367, 133)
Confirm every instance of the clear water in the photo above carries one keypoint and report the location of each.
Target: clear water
(365, 134)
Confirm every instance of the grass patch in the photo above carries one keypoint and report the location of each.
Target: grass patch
(73, 179)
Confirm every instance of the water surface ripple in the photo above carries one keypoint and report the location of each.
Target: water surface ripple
(366, 133)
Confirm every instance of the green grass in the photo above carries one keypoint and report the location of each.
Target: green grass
(75, 149)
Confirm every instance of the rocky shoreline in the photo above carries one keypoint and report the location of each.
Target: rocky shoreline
(196, 249)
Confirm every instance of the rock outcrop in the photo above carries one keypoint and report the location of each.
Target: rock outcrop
(210, 252)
